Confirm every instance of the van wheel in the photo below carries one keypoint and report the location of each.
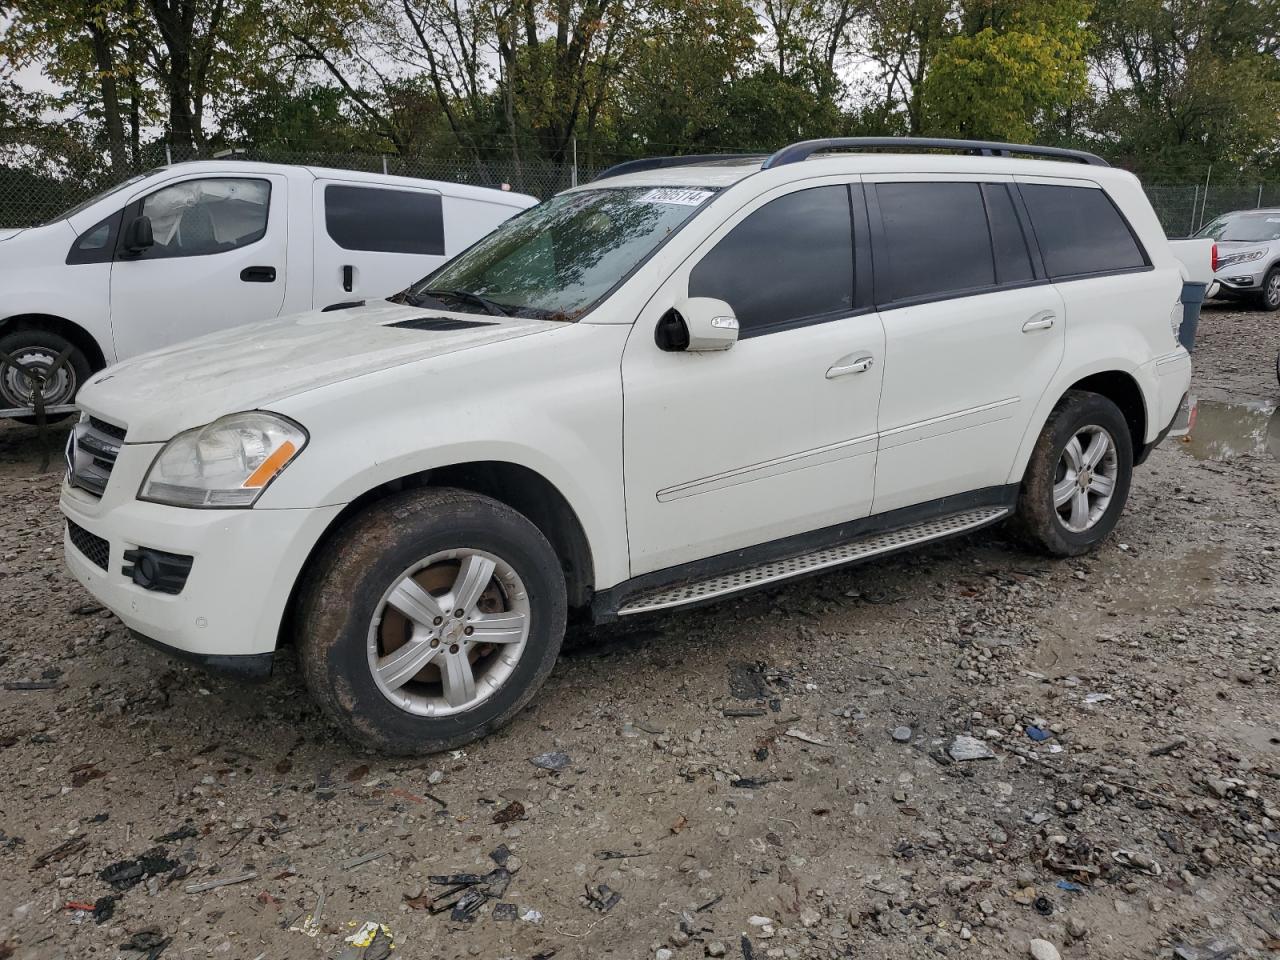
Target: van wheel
(35, 352)
(1078, 479)
(430, 620)
(1269, 299)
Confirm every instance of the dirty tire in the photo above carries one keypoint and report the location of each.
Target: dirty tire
(367, 555)
(1036, 522)
(48, 345)
(1269, 298)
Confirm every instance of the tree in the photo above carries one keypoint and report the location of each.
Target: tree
(1005, 68)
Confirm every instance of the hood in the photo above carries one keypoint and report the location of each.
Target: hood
(6, 234)
(157, 395)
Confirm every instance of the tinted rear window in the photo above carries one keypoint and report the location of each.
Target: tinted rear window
(384, 221)
(937, 238)
(1080, 231)
(1013, 262)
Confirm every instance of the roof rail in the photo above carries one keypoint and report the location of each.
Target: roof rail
(658, 163)
(986, 148)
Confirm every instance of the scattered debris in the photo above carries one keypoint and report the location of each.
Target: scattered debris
(1038, 734)
(902, 734)
(512, 811)
(965, 747)
(799, 734)
(1214, 949)
(125, 874)
(603, 898)
(1043, 950)
(223, 882)
(551, 761)
(363, 858)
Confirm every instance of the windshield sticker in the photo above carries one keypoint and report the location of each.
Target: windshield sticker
(684, 197)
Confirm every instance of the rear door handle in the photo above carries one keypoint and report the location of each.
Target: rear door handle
(847, 365)
(348, 277)
(258, 274)
(1041, 321)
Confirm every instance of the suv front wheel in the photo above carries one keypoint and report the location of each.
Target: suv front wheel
(431, 620)
(1078, 479)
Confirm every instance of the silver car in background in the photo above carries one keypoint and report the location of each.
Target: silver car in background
(1248, 265)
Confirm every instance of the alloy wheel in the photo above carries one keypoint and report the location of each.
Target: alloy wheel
(1272, 293)
(1086, 478)
(449, 632)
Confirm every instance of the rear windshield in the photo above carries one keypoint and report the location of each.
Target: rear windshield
(1246, 227)
(558, 259)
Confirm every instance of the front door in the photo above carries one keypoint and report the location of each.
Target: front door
(218, 261)
(973, 334)
(776, 435)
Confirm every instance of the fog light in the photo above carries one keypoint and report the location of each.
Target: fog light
(157, 570)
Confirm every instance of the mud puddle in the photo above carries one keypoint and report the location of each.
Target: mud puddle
(1226, 431)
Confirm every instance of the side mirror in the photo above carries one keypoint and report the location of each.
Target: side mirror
(697, 324)
(138, 236)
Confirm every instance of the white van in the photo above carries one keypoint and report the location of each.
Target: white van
(193, 248)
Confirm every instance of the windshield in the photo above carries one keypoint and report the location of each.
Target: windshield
(1246, 227)
(85, 204)
(558, 259)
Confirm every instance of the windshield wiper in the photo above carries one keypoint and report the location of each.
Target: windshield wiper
(492, 307)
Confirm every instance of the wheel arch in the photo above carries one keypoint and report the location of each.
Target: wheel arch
(84, 341)
(1113, 380)
(1124, 391)
(519, 487)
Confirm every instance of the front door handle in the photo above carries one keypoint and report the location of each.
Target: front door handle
(847, 365)
(258, 274)
(348, 277)
(1041, 321)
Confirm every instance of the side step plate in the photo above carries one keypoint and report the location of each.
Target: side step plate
(836, 556)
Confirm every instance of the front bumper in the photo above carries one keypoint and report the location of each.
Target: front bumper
(244, 564)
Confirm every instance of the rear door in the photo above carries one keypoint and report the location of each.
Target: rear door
(973, 331)
(371, 241)
(218, 260)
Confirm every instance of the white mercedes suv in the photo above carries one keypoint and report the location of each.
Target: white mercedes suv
(686, 379)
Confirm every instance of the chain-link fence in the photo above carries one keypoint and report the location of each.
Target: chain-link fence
(41, 179)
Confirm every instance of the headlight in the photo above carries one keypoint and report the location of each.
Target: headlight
(1244, 256)
(225, 464)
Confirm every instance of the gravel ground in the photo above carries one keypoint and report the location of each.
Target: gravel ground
(768, 777)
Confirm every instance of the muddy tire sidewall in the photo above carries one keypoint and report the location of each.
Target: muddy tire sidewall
(349, 580)
(1036, 521)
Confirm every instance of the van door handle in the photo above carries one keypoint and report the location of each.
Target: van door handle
(845, 366)
(348, 277)
(1041, 321)
(258, 274)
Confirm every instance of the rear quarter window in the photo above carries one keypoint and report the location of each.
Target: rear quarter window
(384, 221)
(1080, 231)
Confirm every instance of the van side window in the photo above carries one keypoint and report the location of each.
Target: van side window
(197, 218)
(788, 262)
(937, 238)
(1013, 261)
(384, 221)
(1080, 231)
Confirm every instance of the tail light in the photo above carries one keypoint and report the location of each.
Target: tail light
(1213, 259)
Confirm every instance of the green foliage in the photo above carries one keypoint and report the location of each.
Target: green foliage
(998, 79)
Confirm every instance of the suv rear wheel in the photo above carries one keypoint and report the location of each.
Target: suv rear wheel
(1078, 479)
(431, 620)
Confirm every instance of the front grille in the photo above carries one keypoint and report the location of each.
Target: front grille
(95, 548)
(92, 449)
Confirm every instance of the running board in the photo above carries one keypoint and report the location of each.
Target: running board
(778, 570)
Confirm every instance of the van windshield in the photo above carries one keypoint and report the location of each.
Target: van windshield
(1246, 227)
(558, 259)
(85, 204)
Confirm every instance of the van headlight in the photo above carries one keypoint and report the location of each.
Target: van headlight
(227, 463)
